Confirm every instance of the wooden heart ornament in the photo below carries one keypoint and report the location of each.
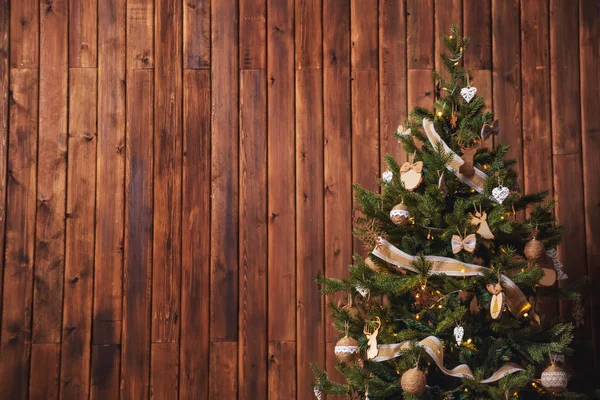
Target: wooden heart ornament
(500, 193)
(497, 303)
(411, 175)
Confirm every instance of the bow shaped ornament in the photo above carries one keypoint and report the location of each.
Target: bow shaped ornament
(490, 129)
(480, 218)
(411, 175)
(468, 243)
(497, 303)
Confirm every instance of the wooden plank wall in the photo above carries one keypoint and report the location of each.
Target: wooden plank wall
(174, 174)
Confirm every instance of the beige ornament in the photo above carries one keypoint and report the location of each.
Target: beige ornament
(549, 277)
(347, 350)
(371, 334)
(372, 266)
(554, 379)
(350, 309)
(468, 243)
(400, 214)
(497, 303)
(534, 249)
(413, 381)
(480, 218)
(411, 175)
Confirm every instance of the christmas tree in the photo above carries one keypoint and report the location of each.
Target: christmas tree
(444, 305)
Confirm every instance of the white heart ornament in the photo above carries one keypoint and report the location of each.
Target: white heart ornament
(468, 93)
(364, 292)
(500, 193)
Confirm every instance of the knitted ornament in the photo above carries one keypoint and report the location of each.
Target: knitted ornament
(534, 249)
(413, 381)
(400, 214)
(347, 350)
(554, 379)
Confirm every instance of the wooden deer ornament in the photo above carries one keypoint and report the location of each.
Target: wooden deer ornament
(371, 335)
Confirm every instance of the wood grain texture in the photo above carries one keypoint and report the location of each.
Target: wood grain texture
(83, 33)
(223, 371)
(4, 102)
(309, 226)
(110, 178)
(506, 78)
(196, 34)
(51, 182)
(79, 254)
(195, 263)
(224, 174)
(164, 371)
(420, 33)
(140, 33)
(45, 360)
(137, 265)
(168, 94)
(104, 380)
(393, 87)
(337, 155)
(282, 371)
(24, 34)
(589, 57)
(308, 26)
(253, 236)
(281, 316)
(252, 45)
(15, 343)
(477, 23)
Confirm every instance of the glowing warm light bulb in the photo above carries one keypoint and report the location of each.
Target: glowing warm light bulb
(526, 315)
(439, 113)
(469, 340)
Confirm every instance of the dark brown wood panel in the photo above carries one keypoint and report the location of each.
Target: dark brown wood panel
(170, 192)
(15, 343)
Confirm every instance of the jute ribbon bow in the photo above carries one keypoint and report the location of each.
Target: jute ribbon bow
(417, 167)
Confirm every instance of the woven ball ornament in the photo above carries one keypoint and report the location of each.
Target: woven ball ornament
(534, 249)
(347, 350)
(413, 381)
(554, 379)
(400, 214)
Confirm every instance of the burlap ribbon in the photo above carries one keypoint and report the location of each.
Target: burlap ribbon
(515, 299)
(434, 349)
(476, 181)
(418, 167)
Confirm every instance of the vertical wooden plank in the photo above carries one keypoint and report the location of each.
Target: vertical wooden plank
(309, 223)
(104, 382)
(393, 88)
(79, 254)
(365, 96)
(477, 25)
(281, 174)
(252, 354)
(140, 33)
(566, 141)
(282, 355)
(310, 332)
(4, 101)
(535, 68)
(24, 34)
(20, 234)
(83, 33)
(447, 13)
(52, 158)
(281, 181)
(195, 236)
(420, 33)
(537, 124)
(110, 177)
(337, 154)
(166, 272)
(223, 358)
(253, 42)
(164, 370)
(135, 357)
(420, 47)
(196, 34)
(506, 56)
(224, 175)
(589, 56)
(45, 359)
